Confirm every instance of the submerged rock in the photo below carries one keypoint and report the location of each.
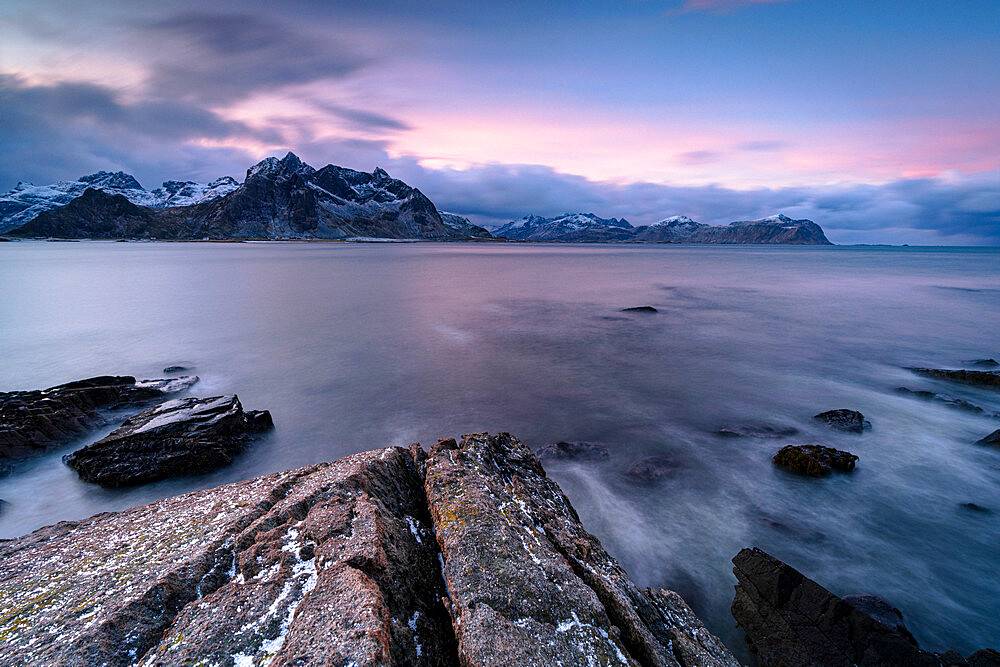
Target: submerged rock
(850, 421)
(950, 401)
(652, 469)
(992, 439)
(988, 379)
(791, 620)
(467, 555)
(814, 460)
(175, 369)
(976, 508)
(34, 421)
(576, 451)
(640, 309)
(180, 437)
(982, 363)
(758, 430)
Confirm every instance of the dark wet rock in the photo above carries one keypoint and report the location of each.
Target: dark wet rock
(757, 430)
(791, 620)
(640, 309)
(950, 401)
(814, 460)
(992, 439)
(986, 657)
(988, 379)
(850, 421)
(341, 564)
(952, 659)
(180, 437)
(976, 508)
(528, 585)
(652, 469)
(34, 421)
(882, 611)
(982, 363)
(169, 370)
(576, 451)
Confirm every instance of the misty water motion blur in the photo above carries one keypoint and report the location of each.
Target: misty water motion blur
(357, 346)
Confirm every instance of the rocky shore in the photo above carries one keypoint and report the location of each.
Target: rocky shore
(466, 554)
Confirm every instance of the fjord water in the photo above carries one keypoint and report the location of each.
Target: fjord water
(357, 346)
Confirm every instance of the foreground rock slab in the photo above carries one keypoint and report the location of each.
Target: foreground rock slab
(528, 585)
(180, 437)
(790, 620)
(468, 555)
(814, 460)
(328, 564)
(32, 422)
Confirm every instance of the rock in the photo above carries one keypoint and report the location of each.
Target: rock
(986, 657)
(992, 439)
(814, 460)
(652, 469)
(791, 620)
(976, 508)
(952, 659)
(180, 437)
(528, 585)
(169, 370)
(468, 555)
(950, 401)
(3, 504)
(987, 379)
(982, 363)
(247, 571)
(758, 430)
(882, 611)
(576, 451)
(640, 309)
(34, 421)
(850, 421)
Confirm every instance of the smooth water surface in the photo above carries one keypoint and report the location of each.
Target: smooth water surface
(356, 346)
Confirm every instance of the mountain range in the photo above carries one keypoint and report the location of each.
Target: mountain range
(587, 227)
(288, 199)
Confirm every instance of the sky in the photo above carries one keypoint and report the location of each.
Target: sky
(878, 119)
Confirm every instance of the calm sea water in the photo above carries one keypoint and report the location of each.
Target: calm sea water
(354, 347)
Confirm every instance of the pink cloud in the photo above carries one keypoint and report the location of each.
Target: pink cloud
(721, 5)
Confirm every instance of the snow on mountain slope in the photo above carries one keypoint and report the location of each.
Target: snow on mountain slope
(563, 227)
(25, 201)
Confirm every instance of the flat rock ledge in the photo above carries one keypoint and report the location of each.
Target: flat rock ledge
(790, 620)
(180, 437)
(32, 422)
(987, 379)
(465, 555)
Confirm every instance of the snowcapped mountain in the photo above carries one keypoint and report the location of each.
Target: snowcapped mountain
(188, 193)
(23, 203)
(280, 198)
(464, 225)
(587, 227)
(675, 228)
(568, 227)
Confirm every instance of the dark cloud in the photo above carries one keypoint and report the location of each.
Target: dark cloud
(954, 210)
(214, 57)
(364, 120)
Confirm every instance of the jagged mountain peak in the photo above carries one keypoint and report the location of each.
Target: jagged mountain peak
(111, 180)
(675, 220)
